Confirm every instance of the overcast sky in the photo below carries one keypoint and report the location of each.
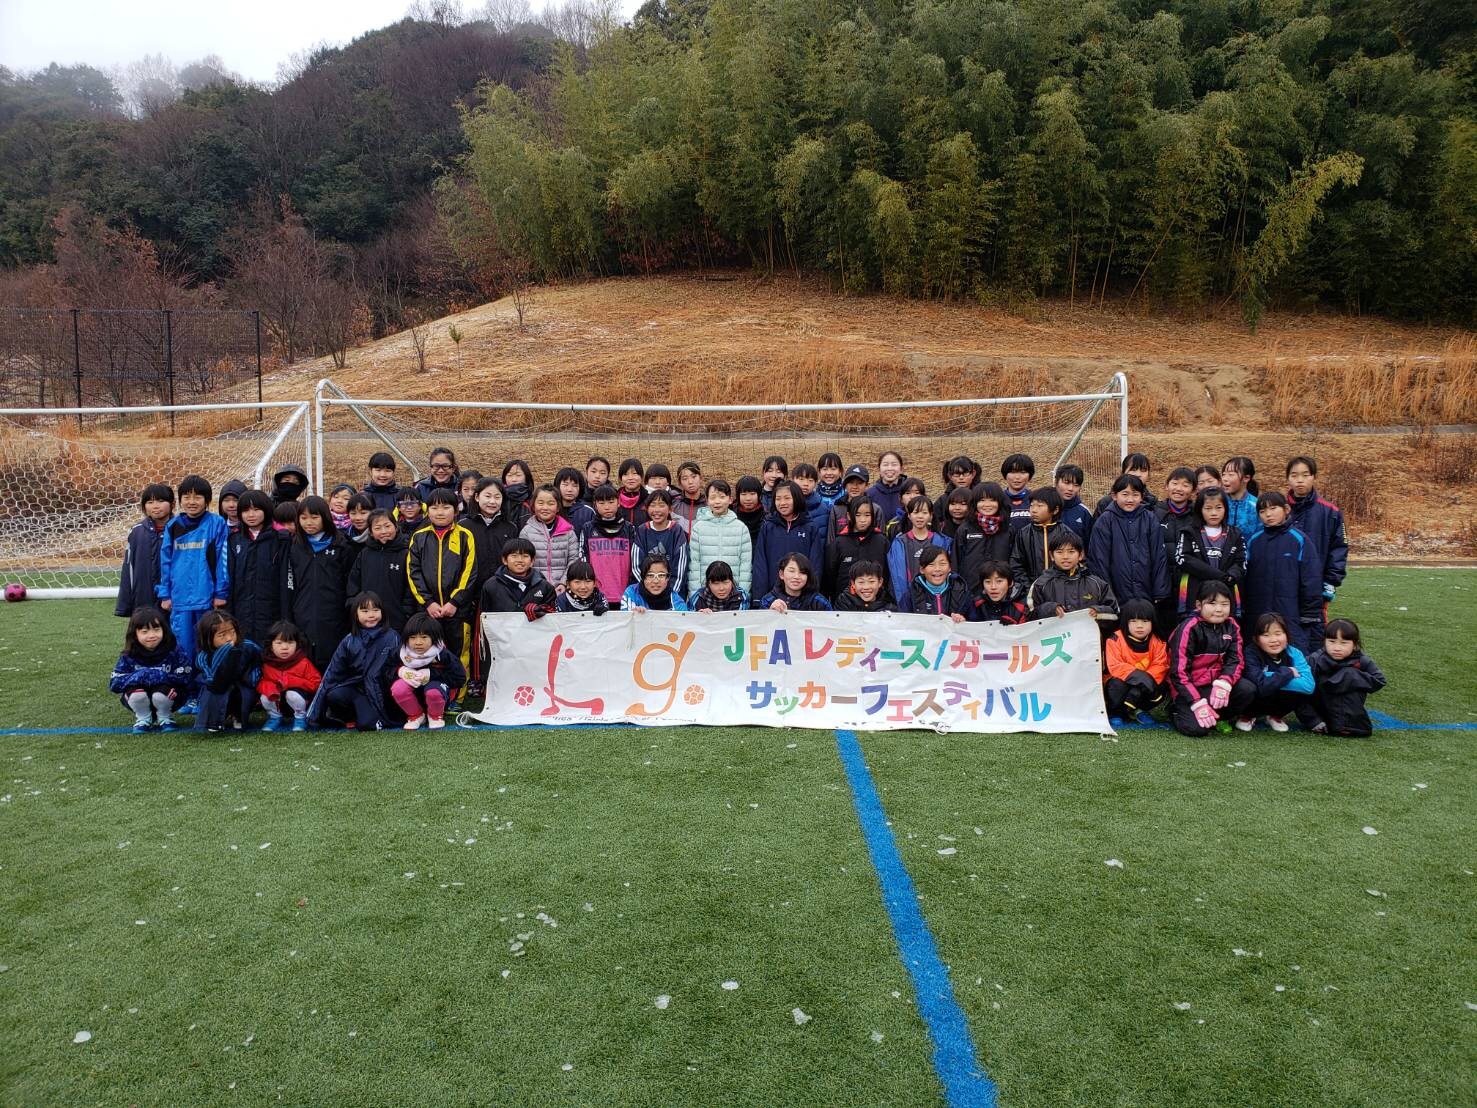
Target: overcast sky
(252, 39)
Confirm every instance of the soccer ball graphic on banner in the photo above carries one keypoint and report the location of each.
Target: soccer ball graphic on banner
(15, 591)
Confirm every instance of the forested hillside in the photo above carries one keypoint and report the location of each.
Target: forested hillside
(1193, 153)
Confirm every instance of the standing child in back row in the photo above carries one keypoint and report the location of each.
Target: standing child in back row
(140, 574)
(1017, 471)
(719, 535)
(1322, 524)
(193, 574)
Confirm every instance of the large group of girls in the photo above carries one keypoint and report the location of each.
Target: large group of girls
(361, 609)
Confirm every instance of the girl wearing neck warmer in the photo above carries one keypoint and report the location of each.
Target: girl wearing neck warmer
(428, 676)
(317, 575)
(654, 592)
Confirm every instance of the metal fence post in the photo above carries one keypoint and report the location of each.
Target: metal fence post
(77, 360)
(169, 361)
(258, 317)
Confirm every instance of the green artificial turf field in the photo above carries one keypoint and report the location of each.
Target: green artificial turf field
(496, 916)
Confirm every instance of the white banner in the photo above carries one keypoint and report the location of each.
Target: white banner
(797, 669)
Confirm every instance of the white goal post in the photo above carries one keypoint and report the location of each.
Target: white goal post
(726, 440)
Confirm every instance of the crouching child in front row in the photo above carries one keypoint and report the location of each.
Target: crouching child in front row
(1343, 676)
(359, 673)
(1278, 670)
(1205, 666)
(581, 591)
(720, 592)
(153, 674)
(289, 678)
(1137, 663)
(429, 675)
(228, 667)
(867, 590)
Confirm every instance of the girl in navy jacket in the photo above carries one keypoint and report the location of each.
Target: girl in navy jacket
(1282, 575)
(1127, 545)
(141, 557)
(1343, 675)
(356, 682)
(795, 588)
(786, 531)
(887, 491)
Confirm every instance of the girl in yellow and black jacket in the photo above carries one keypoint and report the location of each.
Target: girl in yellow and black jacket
(441, 566)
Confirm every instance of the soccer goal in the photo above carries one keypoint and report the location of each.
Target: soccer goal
(1090, 429)
(70, 478)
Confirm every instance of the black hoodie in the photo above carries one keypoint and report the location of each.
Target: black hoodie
(288, 483)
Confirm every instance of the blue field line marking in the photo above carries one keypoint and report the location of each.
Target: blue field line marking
(1386, 721)
(964, 1080)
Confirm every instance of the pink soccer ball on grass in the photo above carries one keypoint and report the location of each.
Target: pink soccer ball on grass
(15, 592)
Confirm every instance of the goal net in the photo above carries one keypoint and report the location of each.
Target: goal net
(726, 441)
(70, 479)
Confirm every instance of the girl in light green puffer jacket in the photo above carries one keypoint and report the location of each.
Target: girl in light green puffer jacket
(719, 536)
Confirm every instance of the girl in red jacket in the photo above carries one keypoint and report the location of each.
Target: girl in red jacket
(289, 678)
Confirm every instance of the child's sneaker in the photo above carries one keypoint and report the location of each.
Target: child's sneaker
(437, 724)
(1115, 722)
(1319, 728)
(414, 723)
(1145, 718)
(142, 725)
(1277, 723)
(300, 723)
(191, 708)
(274, 723)
(1244, 724)
(168, 724)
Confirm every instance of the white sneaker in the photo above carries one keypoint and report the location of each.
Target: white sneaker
(1277, 723)
(1247, 724)
(415, 723)
(437, 724)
